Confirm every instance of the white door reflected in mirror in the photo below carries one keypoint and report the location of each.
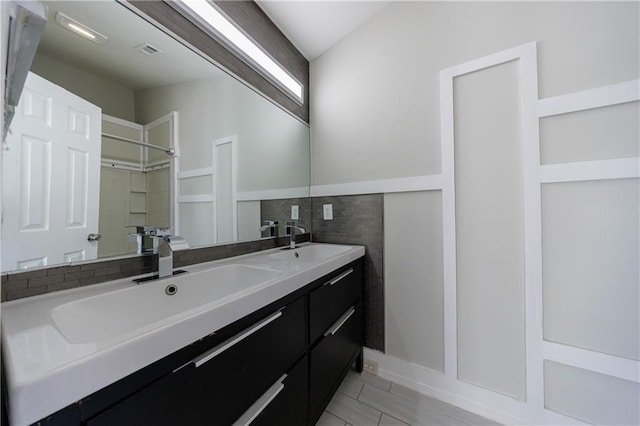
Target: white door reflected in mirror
(50, 178)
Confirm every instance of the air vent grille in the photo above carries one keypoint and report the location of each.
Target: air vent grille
(148, 49)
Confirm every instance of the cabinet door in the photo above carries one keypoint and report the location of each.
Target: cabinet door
(228, 379)
(332, 357)
(289, 406)
(162, 402)
(326, 303)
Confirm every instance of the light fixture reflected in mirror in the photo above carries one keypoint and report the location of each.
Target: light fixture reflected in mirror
(80, 29)
(213, 20)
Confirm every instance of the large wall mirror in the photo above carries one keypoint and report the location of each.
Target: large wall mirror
(135, 129)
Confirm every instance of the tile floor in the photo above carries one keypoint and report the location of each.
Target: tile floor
(368, 400)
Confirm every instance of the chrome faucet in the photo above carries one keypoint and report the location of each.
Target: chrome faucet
(272, 226)
(291, 228)
(164, 244)
(143, 238)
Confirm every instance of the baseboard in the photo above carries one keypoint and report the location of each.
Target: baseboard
(383, 186)
(483, 402)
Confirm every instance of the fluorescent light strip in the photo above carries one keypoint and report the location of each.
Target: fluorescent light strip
(214, 18)
(80, 29)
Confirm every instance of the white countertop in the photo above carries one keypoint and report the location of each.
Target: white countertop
(45, 372)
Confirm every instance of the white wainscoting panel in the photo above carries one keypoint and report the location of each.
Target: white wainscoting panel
(526, 56)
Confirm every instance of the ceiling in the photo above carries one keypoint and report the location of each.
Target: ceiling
(314, 26)
(118, 60)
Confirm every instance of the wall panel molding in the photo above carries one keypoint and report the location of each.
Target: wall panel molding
(197, 198)
(614, 94)
(407, 184)
(611, 365)
(619, 168)
(273, 194)
(204, 171)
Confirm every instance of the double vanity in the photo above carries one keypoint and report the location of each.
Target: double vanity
(264, 338)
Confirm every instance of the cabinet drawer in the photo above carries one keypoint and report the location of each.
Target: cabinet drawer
(228, 379)
(329, 301)
(289, 405)
(333, 356)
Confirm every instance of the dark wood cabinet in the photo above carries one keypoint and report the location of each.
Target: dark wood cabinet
(228, 379)
(336, 331)
(332, 357)
(280, 365)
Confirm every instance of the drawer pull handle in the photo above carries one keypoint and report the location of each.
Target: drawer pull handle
(209, 355)
(262, 403)
(339, 277)
(336, 326)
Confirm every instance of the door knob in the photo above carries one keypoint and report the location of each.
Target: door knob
(94, 237)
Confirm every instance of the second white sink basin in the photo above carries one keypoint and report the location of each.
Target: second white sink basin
(310, 253)
(107, 315)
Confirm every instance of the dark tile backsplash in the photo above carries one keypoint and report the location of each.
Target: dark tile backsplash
(16, 285)
(208, 254)
(358, 219)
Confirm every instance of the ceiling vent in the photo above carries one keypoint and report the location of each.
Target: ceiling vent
(148, 49)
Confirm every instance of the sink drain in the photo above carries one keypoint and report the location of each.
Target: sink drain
(171, 289)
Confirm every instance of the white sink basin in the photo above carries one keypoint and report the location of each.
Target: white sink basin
(310, 253)
(100, 317)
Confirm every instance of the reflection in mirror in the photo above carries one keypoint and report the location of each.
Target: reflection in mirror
(232, 148)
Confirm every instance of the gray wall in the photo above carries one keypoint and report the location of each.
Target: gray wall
(587, 225)
(114, 99)
(413, 270)
(375, 115)
(375, 104)
(271, 143)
